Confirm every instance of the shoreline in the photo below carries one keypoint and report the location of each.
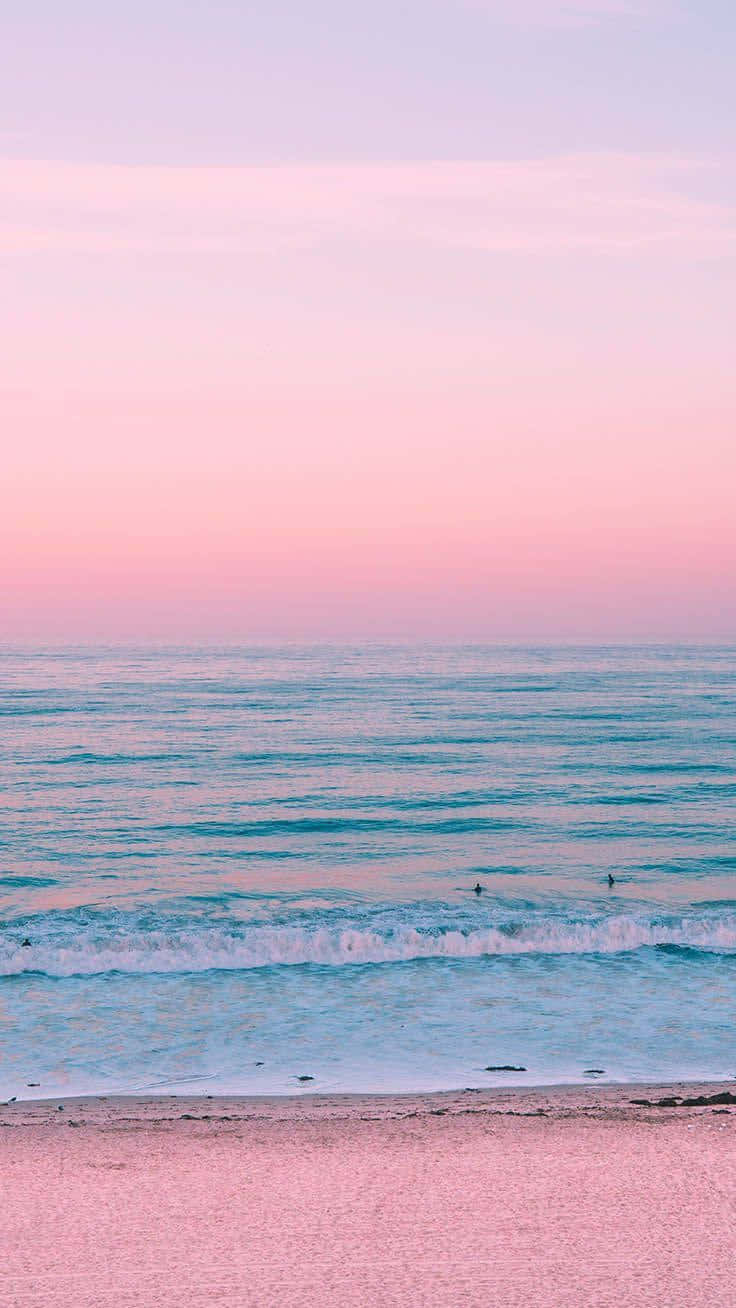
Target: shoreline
(620, 1099)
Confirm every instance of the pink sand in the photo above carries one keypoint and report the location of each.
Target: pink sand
(456, 1199)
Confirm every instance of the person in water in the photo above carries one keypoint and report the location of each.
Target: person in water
(611, 881)
(477, 888)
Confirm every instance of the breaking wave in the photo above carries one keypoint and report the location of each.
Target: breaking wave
(201, 949)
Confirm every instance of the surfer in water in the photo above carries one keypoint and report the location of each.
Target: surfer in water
(611, 881)
(477, 888)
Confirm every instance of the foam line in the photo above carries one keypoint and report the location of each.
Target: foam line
(200, 949)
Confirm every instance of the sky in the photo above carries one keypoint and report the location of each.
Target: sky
(346, 321)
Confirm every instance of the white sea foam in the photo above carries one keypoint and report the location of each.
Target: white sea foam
(202, 949)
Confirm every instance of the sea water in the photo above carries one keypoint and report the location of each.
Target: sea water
(241, 867)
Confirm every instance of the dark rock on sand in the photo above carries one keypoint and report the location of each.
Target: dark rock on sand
(701, 1101)
(695, 1101)
(669, 1102)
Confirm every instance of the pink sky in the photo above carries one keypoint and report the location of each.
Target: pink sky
(460, 398)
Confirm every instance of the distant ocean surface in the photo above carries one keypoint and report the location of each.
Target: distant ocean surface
(239, 867)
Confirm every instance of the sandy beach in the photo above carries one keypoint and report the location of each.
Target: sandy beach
(555, 1198)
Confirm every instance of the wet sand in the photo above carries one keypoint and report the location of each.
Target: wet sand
(560, 1198)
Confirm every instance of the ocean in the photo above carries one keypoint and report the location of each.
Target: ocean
(252, 869)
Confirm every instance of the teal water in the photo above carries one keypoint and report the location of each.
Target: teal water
(236, 867)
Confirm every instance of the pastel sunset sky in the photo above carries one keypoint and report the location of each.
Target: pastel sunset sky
(331, 320)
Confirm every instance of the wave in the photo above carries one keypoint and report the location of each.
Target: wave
(325, 825)
(201, 949)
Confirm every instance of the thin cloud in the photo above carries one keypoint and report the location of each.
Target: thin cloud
(599, 203)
